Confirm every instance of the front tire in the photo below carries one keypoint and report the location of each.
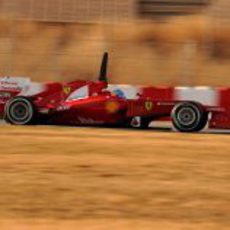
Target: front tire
(19, 111)
(189, 117)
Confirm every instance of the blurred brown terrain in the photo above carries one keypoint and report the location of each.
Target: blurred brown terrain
(189, 50)
(90, 178)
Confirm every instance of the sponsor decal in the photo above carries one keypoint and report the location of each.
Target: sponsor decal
(10, 87)
(44, 111)
(89, 121)
(148, 105)
(5, 95)
(67, 89)
(13, 83)
(112, 106)
(63, 108)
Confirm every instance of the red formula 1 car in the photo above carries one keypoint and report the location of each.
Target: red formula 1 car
(24, 102)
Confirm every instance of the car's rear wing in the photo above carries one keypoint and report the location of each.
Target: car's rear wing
(11, 87)
(13, 84)
(18, 86)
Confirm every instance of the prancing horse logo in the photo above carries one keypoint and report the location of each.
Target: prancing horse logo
(148, 105)
(66, 89)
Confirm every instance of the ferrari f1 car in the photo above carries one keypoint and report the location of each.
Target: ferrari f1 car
(23, 102)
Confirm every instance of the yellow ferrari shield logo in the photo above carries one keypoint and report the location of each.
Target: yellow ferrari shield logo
(148, 105)
(66, 89)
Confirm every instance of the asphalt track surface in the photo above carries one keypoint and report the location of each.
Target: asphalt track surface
(99, 178)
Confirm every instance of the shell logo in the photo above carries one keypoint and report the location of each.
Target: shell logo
(112, 106)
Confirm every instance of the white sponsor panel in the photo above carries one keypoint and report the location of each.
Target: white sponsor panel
(205, 95)
(22, 85)
(33, 88)
(125, 91)
(14, 83)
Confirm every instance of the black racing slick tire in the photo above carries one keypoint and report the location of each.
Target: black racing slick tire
(19, 111)
(189, 117)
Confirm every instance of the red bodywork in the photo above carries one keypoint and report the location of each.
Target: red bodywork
(93, 103)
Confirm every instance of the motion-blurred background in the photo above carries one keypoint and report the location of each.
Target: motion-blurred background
(167, 42)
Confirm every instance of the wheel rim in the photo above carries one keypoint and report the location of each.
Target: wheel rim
(186, 116)
(19, 111)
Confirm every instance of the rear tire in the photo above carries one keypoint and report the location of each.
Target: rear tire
(189, 117)
(19, 111)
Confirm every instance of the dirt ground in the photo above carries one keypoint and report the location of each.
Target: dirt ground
(92, 178)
